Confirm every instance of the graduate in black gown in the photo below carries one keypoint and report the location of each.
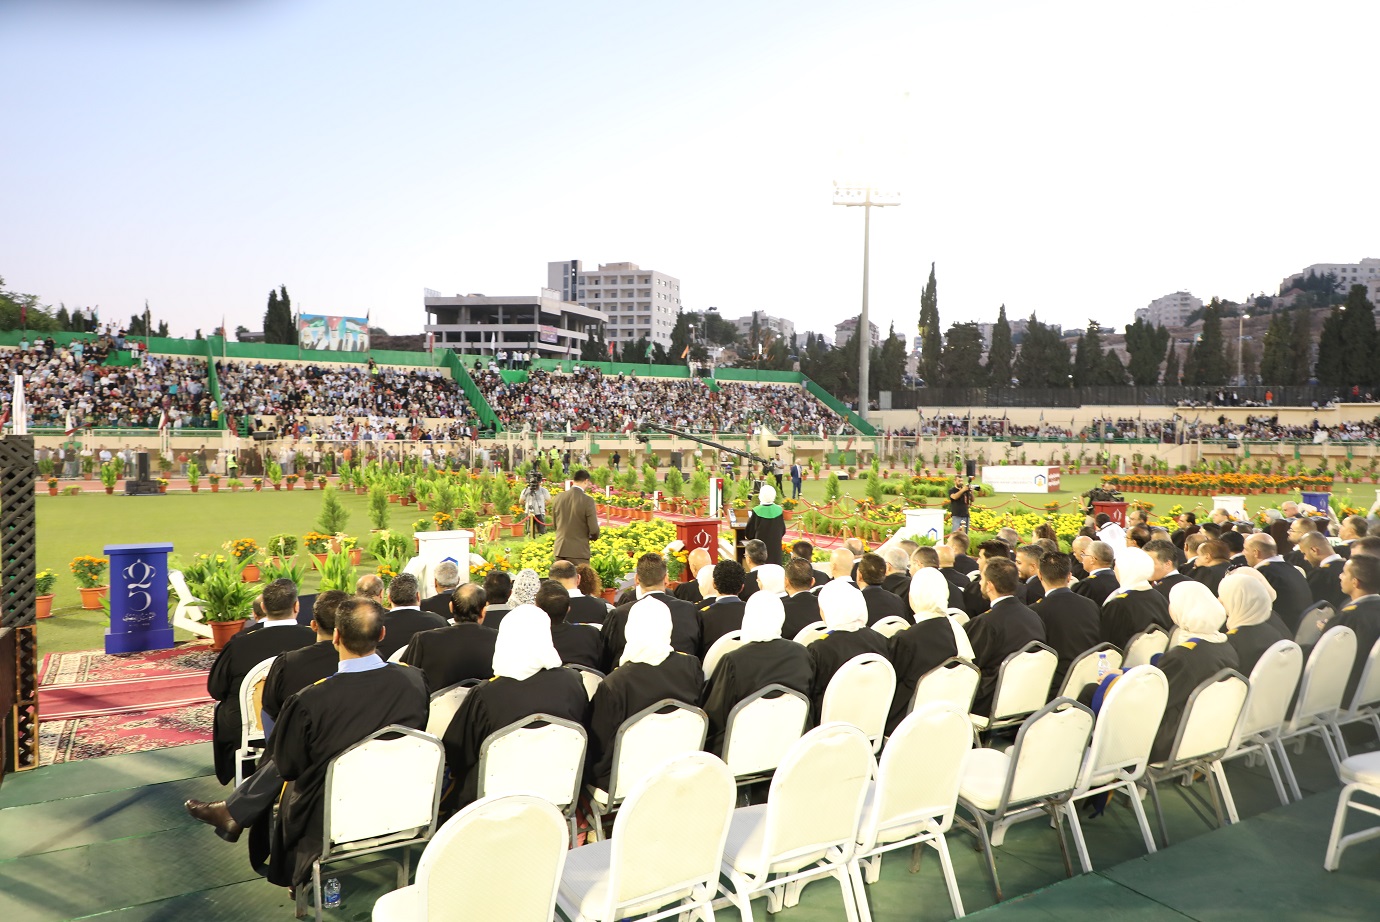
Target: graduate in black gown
(528, 679)
(1253, 626)
(1204, 651)
(649, 670)
(767, 523)
(933, 638)
(844, 612)
(765, 658)
(1004, 629)
(1135, 605)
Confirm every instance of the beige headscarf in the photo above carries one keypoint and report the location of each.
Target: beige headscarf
(523, 647)
(763, 617)
(1196, 613)
(705, 578)
(647, 635)
(1133, 570)
(842, 606)
(929, 594)
(1244, 595)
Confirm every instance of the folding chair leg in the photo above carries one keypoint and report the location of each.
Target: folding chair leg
(316, 888)
(987, 853)
(1331, 750)
(946, 864)
(850, 904)
(1055, 812)
(1288, 768)
(917, 855)
(1159, 812)
(1333, 856)
(864, 912)
(1269, 758)
(1228, 801)
(1336, 728)
(1141, 820)
(1215, 795)
(1071, 810)
(792, 894)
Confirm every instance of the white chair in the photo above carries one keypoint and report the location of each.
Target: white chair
(362, 816)
(1361, 775)
(1365, 701)
(725, 644)
(592, 678)
(540, 754)
(667, 845)
(1022, 686)
(1320, 692)
(1144, 647)
(860, 693)
(188, 614)
(891, 625)
(397, 655)
(643, 741)
(912, 801)
(251, 695)
(810, 633)
(1202, 738)
(808, 827)
(1040, 769)
(1308, 631)
(467, 870)
(954, 681)
(761, 729)
(1083, 670)
(444, 705)
(1273, 682)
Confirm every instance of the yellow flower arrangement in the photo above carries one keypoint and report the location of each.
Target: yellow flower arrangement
(242, 549)
(89, 571)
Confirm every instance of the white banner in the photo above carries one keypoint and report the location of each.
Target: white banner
(1021, 478)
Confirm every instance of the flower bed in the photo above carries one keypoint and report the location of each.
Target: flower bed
(1217, 484)
(629, 541)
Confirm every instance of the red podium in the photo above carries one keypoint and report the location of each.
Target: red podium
(1115, 511)
(700, 533)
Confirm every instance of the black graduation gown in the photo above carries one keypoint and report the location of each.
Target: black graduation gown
(914, 652)
(723, 616)
(1166, 585)
(743, 671)
(899, 585)
(628, 689)
(1097, 586)
(1363, 617)
(1325, 583)
(689, 592)
(1186, 667)
(1210, 577)
(499, 702)
(438, 604)
(295, 670)
(578, 643)
(802, 610)
(1251, 642)
(1126, 614)
(1073, 625)
(242, 653)
(882, 604)
(400, 625)
(587, 609)
(449, 655)
(1292, 594)
(316, 725)
(995, 635)
(685, 629)
(833, 650)
(769, 529)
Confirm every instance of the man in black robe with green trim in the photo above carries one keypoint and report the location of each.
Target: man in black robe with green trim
(767, 523)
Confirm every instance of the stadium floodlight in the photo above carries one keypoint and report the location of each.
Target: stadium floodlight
(866, 197)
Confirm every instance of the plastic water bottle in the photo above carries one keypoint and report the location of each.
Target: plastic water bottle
(330, 894)
(1103, 666)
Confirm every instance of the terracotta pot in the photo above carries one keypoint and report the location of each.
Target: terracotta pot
(278, 486)
(355, 554)
(44, 604)
(162, 488)
(306, 485)
(215, 488)
(610, 595)
(52, 491)
(393, 497)
(195, 487)
(251, 573)
(504, 520)
(109, 490)
(361, 491)
(290, 484)
(421, 507)
(222, 631)
(258, 487)
(517, 530)
(91, 598)
(88, 475)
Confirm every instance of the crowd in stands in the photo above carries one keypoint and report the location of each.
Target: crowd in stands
(587, 400)
(1176, 429)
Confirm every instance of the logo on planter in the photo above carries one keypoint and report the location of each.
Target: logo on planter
(139, 577)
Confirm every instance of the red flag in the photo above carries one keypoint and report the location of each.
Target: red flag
(610, 350)
(686, 352)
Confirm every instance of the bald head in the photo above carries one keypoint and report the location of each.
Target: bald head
(1080, 545)
(699, 559)
(841, 563)
(855, 545)
(945, 555)
(1259, 548)
(1315, 548)
(370, 587)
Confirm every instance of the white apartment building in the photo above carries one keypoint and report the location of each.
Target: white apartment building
(483, 325)
(1171, 310)
(779, 326)
(1366, 272)
(638, 302)
(843, 332)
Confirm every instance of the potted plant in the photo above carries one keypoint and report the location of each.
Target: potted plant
(258, 483)
(275, 474)
(321, 482)
(350, 545)
(52, 486)
(228, 599)
(291, 481)
(193, 476)
(318, 545)
(90, 576)
(282, 546)
(246, 552)
(44, 581)
(276, 568)
(108, 477)
(88, 467)
(338, 573)
(215, 482)
(234, 483)
(162, 485)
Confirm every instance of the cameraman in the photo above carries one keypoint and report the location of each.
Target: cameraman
(534, 498)
(960, 499)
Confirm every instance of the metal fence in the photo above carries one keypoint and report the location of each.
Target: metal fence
(1162, 396)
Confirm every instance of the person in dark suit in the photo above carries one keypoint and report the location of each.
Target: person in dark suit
(1101, 581)
(1028, 568)
(754, 556)
(498, 591)
(404, 617)
(897, 580)
(725, 613)
(1236, 545)
(1073, 623)
(457, 652)
(974, 601)
(1292, 594)
(1166, 574)
(880, 603)
(1361, 583)
(446, 576)
(1004, 629)
(578, 644)
(1077, 549)
(958, 542)
(1135, 605)
(805, 551)
(576, 521)
(1211, 564)
(279, 633)
(584, 609)
(689, 591)
(296, 669)
(767, 523)
(650, 576)
(801, 605)
(933, 639)
(844, 611)
(1325, 575)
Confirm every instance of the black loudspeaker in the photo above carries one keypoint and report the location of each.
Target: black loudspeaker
(572, 438)
(265, 435)
(970, 469)
(677, 458)
(141, 466)
(1233, 443)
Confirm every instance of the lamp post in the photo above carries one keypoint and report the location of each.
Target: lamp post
(1241, 319)
(868, 198)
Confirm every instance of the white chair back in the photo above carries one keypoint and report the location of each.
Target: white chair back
(1308, 631)
(917, 779)
(397, 655)
(1083, 670)
(1367, 694)
(1144, 646)
(358, 808)
(541, 754)
(1273, 682)
(467, 870)
(810, 633)
(1210, 718)
(954, 681)
(650, 737)
(1048, 752)
(251, 696)
(762, 728)
(184, 592)
(725, 644)
(891, 625)
(1125, 729)
(444, 705)
(693, 794)
(592, 678)
(1325, 676)
(1023, 682)
(860, 694)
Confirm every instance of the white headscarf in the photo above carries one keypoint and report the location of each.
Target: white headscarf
(524, 590)
(1134, 568)
(705, 578)
(1253, 574)
(647, 635)
(1196, 612)
(763, 617)
(1244, 596)
(767, 495)
(929, 594)
(523, 647)
(842, 606)
(771, 578)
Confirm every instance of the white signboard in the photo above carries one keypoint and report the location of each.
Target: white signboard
(1021, 478)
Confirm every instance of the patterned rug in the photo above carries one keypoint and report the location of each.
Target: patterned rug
(91, 704)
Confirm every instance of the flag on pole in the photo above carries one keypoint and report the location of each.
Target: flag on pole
(685, 353)
(163, 421)
(610, 350)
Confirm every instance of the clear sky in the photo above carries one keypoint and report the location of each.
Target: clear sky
(1072, 158)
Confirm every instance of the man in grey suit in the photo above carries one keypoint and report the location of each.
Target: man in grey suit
(576, 520)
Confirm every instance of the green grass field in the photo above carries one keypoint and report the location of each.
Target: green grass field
(201, 523)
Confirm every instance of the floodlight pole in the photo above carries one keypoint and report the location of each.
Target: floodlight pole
(868, 198)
